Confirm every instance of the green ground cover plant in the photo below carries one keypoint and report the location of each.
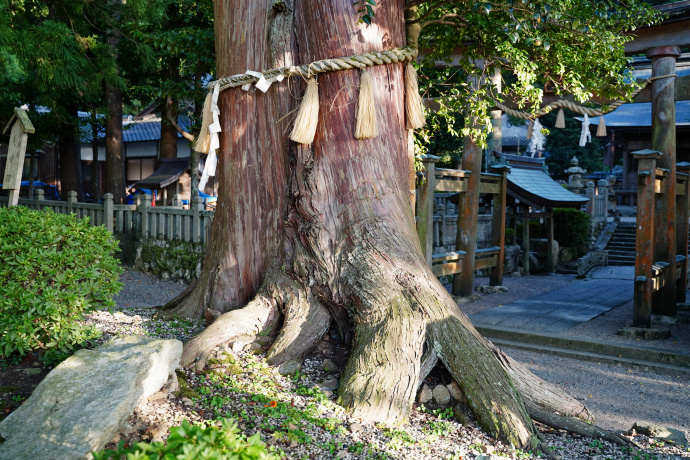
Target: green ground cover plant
(53, 268)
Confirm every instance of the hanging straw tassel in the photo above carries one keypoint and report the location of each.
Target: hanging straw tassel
(308, 115)
(414, 109)
(530, 128)
(365, 127)
(560, 119)
(203, 141)
(601, 129)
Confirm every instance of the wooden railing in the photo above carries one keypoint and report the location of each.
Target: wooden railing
(140, 220)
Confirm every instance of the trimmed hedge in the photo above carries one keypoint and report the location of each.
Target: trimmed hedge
(53, 268)
(572, 229)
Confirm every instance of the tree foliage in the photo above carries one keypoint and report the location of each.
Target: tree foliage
(573, 47)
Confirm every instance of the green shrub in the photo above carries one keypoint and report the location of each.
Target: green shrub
(510, 236)
(53, 268)
(192, 442)
(571, 228)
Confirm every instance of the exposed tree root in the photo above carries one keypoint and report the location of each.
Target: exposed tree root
(574, 425)
(539, 393)
(259, 316)
(306, 321)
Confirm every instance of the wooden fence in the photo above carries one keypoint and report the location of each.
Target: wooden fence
(140, 220)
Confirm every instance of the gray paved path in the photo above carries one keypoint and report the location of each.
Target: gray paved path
(558, 311)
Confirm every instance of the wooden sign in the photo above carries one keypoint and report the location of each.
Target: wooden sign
(15, 153)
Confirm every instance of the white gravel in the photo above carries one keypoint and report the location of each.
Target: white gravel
(618, 398)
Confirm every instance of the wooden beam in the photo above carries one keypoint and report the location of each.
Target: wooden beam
(676, 33)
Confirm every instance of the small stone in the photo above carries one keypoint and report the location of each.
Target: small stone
(158, 430)
(327, 393)
(425, 395)
(342, 453)
(356, 428)
(661, 433)
(158, 396)
(294, 444)
(501, 289)
(289, 367)
(126, 429)
(236, 347)
(324, 348)
(487, 449)
(252, 346)
(455, 392)
(37, 364)
(32, 371)
(441, 395)
(327, 366)
(328, 384)
(187, 402)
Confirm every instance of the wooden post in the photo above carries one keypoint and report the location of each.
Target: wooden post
(144, 202)
(197, 206)
(468, 208)
(71, 201)
(551, 264)
(16, 151)
(109, 212)
(644, 238)
(498, 225)
(525, 238)
(425, 207)
(664, 141)
(40, 196)
(683, 226)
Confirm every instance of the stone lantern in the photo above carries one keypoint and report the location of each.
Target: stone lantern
(575, 173)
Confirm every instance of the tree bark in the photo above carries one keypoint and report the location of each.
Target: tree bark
(114, 155)
(168, 146)
(326, 230)
(70, 157)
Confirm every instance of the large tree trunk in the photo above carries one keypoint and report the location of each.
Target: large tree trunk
(326, 231)
(114, 155)
(70, 156)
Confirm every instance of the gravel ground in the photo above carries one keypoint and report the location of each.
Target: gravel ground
(241, 385)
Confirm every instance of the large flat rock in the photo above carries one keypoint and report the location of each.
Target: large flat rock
(81, 404)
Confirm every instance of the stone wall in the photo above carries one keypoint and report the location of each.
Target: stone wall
(170, 260)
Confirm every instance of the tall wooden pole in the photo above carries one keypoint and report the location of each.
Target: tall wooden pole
(498, 225)
(664, 140)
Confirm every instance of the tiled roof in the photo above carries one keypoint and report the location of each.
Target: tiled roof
(137, 130)
(171, 169)
(535, 187)
(640, 115)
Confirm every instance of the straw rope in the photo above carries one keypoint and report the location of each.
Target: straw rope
(577, 108)
(358, 61)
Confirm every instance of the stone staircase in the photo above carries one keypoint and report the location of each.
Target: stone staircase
(621, 246)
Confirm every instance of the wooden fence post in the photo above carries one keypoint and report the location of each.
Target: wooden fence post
(109, 212)
(498, 224)
(425, 207)
(197, 206)
(40, 196)
(603, 186)
(644, 239)
(143, 208)
(71, 201)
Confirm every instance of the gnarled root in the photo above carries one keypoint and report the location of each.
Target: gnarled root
(306, 321)
(540, 393)
(577, 426)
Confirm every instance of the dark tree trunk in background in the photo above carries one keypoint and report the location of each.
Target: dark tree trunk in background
(114, 154)
(70, 156)
(168, 146)
(306, 234)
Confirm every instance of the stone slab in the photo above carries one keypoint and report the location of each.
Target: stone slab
(81, 403)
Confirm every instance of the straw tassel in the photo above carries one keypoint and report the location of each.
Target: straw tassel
(560, 119)
(413, 101)
(601, 129)
(365, 127)
(203, 140)
(530, 128)
(304, 130)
